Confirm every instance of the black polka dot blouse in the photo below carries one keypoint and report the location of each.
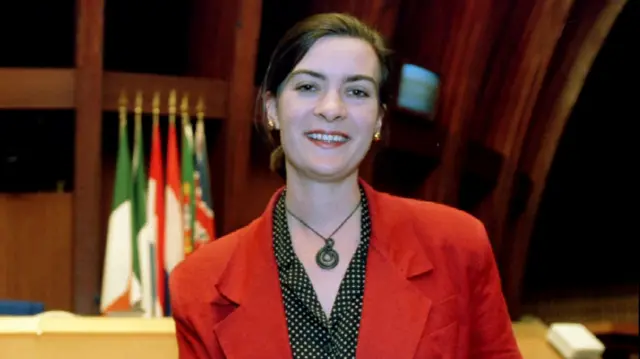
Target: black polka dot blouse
(311, 333)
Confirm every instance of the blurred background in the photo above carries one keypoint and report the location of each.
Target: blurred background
(513, 110)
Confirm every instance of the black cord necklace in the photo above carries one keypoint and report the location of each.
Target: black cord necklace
(327, 257)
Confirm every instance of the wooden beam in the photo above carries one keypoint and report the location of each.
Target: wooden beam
(24, 88)
(214, 92)
(88, 148)
(241, 111)
(581, 41)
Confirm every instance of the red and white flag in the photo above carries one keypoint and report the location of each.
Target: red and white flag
(155, 217)
(173, 235)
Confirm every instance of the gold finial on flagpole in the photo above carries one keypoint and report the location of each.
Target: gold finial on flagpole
(156, 107)
(122, 107)
(138, 112)
(200, 109)
(172, 106)
(138, 107)
(184, 108)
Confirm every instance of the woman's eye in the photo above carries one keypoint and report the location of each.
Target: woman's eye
(305, 88)
(358, 93)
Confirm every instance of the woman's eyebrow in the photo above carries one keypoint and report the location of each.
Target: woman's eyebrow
(318, 75)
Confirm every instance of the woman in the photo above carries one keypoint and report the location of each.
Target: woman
(333, 268)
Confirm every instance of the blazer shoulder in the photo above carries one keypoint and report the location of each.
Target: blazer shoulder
(444, 226)
(201, 270)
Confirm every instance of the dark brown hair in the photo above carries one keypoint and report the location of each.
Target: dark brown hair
(294, 46)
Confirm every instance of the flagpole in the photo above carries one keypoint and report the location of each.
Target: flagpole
(155, 216)
(205, 227)
(187, 176)
(173, 246)
(139, 214)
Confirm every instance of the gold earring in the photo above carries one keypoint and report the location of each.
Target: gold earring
(271, 124)
(377, 136)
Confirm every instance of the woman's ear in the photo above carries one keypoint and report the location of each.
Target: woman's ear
(271, 105)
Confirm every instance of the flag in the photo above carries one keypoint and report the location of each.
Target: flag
(173, 246)
(188, 193)
(155, 214)
(118, 254)
(141, 295)
(204, 227)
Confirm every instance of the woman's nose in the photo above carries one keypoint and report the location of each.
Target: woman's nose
(331, 106)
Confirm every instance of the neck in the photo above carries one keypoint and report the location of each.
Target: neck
(321, 205)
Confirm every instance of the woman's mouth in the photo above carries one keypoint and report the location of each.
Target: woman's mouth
(327, 139)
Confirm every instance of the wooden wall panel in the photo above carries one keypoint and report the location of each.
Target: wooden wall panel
(36, 248)
(519, 67)
(212, 29)
(23, 88)
(237, 130)
(224, 43)
(588, 26)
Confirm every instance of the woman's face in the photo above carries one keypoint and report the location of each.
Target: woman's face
(328, 108)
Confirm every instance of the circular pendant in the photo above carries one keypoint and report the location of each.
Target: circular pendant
(327, 257)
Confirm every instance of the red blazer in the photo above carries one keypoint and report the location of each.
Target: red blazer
(432, 290)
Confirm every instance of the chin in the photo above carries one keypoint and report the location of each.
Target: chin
(329, 173)
(323, 168)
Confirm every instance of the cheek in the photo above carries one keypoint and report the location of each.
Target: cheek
(291, 113)
(366, 118)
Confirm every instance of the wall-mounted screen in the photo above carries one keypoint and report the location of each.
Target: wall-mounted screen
(418, 90)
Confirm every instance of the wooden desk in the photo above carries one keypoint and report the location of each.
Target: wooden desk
(531, 336)
(123, 338)
(91, 337)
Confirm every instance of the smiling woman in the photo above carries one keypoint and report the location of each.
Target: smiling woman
(328, 109)
(334, 268)
(295, 65)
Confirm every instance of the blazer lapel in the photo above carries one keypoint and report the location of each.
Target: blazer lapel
(394, 312)
(257, 327)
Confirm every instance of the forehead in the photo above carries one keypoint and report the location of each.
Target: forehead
(341, 57)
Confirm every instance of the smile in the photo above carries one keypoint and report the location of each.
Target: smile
(327, 139)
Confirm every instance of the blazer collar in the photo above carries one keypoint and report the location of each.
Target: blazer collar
(393, 234)
(394, 312)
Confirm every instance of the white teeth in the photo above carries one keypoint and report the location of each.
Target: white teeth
(327, 138)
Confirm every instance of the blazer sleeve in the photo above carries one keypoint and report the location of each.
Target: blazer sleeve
(492, 334)
(190, 343)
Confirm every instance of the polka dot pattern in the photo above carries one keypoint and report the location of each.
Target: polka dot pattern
(311, 334)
